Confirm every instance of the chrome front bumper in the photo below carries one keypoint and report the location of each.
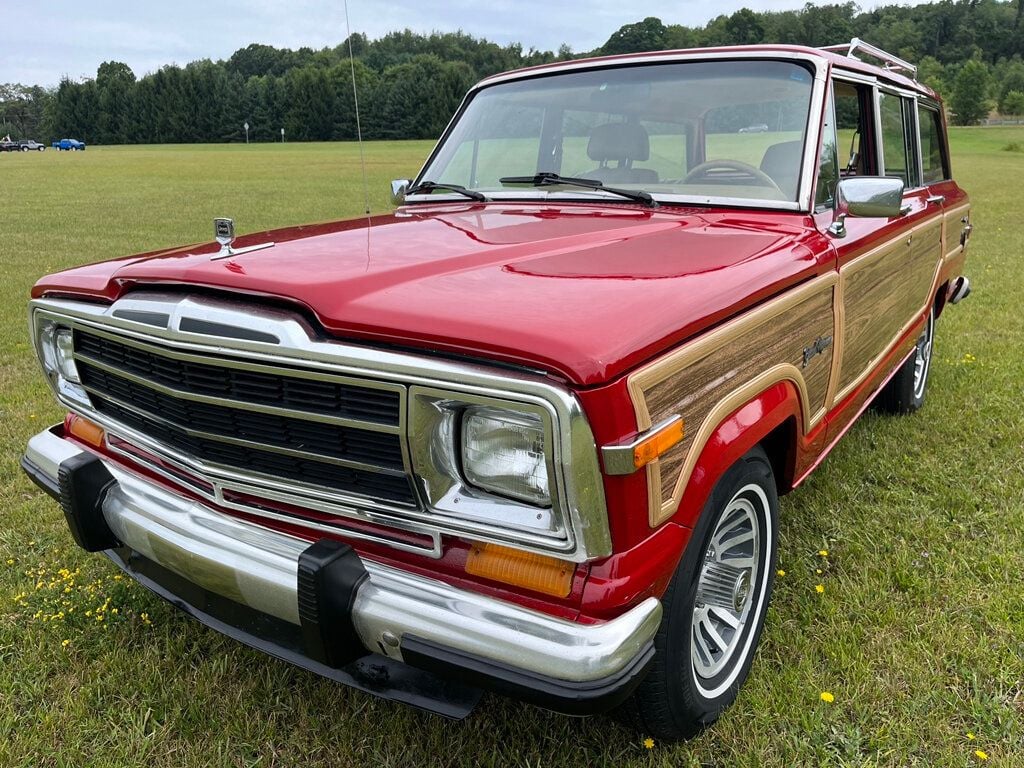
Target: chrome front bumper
(257, 568)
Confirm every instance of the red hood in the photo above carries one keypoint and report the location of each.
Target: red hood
(584, 291)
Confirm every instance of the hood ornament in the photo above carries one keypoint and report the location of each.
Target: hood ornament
(224, 232)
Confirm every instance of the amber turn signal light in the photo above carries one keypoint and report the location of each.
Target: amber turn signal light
(655, 444)
(521, 569)
(84, 430)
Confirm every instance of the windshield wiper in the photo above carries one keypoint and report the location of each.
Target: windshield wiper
(548, 179)
(430, 186)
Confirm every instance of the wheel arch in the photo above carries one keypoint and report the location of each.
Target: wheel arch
(772, 419)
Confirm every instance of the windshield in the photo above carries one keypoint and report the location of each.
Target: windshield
(703, 130)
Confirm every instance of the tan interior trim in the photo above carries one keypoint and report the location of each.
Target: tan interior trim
(669, 365)
(659, 512)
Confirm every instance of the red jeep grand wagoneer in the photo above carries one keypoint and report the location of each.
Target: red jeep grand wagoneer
(526, 433)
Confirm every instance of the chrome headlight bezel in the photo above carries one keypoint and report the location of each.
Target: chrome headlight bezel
(54, 346)
(435, 430)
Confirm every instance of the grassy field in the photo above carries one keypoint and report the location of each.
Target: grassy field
(918, 634)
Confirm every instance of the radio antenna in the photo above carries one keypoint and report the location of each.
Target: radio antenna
(359, 129)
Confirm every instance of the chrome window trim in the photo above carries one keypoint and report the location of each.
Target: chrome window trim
(584, 503)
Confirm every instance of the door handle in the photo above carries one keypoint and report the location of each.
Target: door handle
(937, 199)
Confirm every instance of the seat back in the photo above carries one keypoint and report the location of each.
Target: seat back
(782, 162)
(622, 143)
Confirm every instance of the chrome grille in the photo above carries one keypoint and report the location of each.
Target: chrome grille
(289, 424)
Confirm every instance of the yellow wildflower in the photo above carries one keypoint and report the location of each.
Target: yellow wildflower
(10, 561)
(818, 571)
(970, 736)
(980, 755)
(648, 743)
(819, 588)
(823, 552)
(65, 643)
(827, 697)
(145, 618)
(780, 572)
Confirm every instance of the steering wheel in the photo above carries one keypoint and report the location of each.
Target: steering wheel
(701, 171)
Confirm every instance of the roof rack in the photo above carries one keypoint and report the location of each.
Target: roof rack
(892, 63)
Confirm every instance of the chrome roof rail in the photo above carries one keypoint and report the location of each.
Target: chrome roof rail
(856, 45)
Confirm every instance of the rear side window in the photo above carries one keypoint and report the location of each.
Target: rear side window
(934, 165)
(895, 158)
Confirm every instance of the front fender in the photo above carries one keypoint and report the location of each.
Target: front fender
(740, 431)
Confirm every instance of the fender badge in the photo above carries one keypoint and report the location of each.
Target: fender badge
(224, 233)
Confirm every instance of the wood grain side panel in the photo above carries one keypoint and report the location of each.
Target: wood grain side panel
(952, 229)
(882, 291)
(700, 378)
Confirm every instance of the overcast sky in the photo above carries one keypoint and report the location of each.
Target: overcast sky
(42, 42)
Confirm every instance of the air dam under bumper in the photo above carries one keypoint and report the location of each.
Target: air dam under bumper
(244, 580)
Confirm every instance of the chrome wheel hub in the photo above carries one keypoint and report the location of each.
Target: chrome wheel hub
(730, 568)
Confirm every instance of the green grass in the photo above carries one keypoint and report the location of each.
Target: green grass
(919, 633)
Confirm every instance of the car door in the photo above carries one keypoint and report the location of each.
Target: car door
(887, 267)
(942, 190)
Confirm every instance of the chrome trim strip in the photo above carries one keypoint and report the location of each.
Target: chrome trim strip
(258, 568)
(253, 444)
(584, 501)
(618, 458)
(218, 497)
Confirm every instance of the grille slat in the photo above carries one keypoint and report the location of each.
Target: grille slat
(151, 393)
(308, 395)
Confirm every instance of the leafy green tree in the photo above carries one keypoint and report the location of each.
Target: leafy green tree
(647, 35)
(969, 102)
(1013, 104)
(744, 27)
(115, 82)
(1011, 79)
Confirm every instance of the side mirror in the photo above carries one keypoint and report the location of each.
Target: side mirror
(398, 187)
(878, 197)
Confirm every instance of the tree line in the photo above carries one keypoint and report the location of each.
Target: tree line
(409, 84)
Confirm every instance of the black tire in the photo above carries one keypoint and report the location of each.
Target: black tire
(905, 392)
(24, 149)
(675, 701)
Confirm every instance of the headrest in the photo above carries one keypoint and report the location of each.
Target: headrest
(782, 157)
(618, 141)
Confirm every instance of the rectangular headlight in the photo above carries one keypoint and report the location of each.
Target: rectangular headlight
(55, 346)
(503, 452)
(488, 466)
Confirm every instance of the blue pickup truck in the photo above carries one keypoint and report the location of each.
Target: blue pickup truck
(71, 145)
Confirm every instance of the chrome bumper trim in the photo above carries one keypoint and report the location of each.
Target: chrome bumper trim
(257, 567)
